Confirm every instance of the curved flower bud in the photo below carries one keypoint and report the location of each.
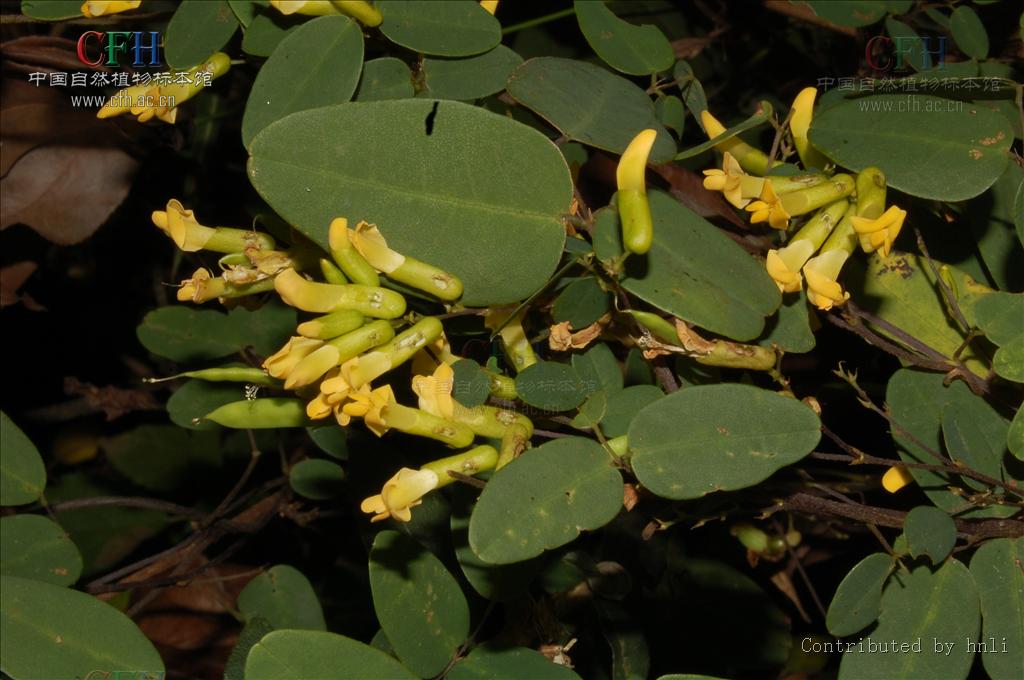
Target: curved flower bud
(98, 8)
(727, 180)
(800, 123)
(368, 367)
(879, 234)
(323, 298)
(348, 258)
(203, 287)
(331, 325)
(184, 229)
(367, 239)
(634, 210)
(280, 363)
(476, 460)
(400, 494)
(895, 478)
(784, 264)
(311, 367)
(751, 159)
(435, 391)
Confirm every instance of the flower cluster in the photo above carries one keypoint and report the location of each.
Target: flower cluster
(152, 100)
(359, 332)
(843, 210)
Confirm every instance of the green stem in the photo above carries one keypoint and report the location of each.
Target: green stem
(539, 21)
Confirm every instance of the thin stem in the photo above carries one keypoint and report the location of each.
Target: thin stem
(128, 502)
(539, 21)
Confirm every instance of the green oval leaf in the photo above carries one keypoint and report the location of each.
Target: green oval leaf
(317, 479)
(855, 13)
(930, 532)
(927, 146)
(36, 547)
(52, 10)
(1015, 435)
(1000, 316)
(671, 113)
(331, 439)
(922, 609)
(693, 271)
(996, 568)
(544, 499)
(968, 32)
(404, 165)
(317, 65)
(162, 457)
(197, 30)
(902, 291)
(267, 29)
(418, 603)
(598, 369)
(470, 77)
(449, 28)
(305, 654)
(384, 78)
(499, 582)
(551, 386)
(636, 50)
(22, 473)
(188, 335)
(624, 405)
(284, 598)
(470, 384)
(917, 400)
(975, 435)
(858, 599)
(54, 632)
(559, 89)
(718, 438)
(581, 303)
(502, 663)
(1008, 361)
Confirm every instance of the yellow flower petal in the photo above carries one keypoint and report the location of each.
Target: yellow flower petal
(435, 391)
(98, 8)
(821, 274)
(401, 493)
(784, 264)
(895, 478)
(280, 363)
(367, 239)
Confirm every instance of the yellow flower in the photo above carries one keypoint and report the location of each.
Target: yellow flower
(879, 234)
(727, 180)
(424, 361)
(311, 367)
(181, 225)
(513, 335)
(280, 363)
(751, 159)
(800, 124)
(98, 8)
(369, 405)
(161, 101)
(400, 494)
(314, 8)
(435, 391)
(822, 274)
(369, 242)
(769, 209)
(784, 264)
(490, 5)
(895, 478)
